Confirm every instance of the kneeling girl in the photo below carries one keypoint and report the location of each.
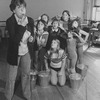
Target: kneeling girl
(57, 61)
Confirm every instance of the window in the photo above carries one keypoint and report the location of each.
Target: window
(96, 13)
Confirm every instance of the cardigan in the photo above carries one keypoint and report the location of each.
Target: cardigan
(59, 34)
(16, 33)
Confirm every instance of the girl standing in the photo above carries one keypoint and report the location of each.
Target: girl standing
(75, 43)
(81, 38)
(41, 41)
(55, 32)
(45, 17)
(65, 20)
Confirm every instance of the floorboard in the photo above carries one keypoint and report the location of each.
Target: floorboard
(49, 93)
(89, 89)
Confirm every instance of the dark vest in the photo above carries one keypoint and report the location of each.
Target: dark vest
(60, 35)
(15, 35)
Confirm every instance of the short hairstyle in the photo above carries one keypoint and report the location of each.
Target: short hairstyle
(42, 22)
(55, 20)
(15, 3)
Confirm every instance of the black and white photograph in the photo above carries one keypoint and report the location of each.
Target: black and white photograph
(49, 49)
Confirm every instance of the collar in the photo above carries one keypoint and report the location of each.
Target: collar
(18, 19)
(55, 30)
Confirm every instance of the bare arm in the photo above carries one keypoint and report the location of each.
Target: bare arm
(46, 63)
(81, 32)
(63, 63)
(86, 35)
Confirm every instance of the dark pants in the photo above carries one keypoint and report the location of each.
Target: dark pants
(40, 65)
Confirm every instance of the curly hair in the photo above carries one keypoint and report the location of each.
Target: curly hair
(77, 19)
(15, 3)
(68, 13)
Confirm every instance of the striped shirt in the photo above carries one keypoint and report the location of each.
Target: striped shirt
(56, 58)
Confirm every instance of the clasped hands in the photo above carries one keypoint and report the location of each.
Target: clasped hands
(24, 22)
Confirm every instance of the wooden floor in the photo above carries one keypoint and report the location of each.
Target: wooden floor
(89, 89)
(92, 82)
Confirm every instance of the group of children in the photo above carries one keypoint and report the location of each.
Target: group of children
(60, 39)
(48, 43)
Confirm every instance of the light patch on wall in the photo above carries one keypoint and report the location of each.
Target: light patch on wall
(96, 14)
(97, 2)
(37, 7)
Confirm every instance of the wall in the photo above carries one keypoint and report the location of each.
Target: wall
(4, 9)
(37, 7)
(97, 2)
(87, 11)
(54, 7)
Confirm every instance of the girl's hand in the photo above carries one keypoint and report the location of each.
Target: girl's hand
(43, 40)
(24, 21)
(75, 34)
(48, 70)
(80, 44)
(70, 34)
(30, 39)
(60, 73)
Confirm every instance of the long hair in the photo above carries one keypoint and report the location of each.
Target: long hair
(58, 43)
(58, 48)
(73, 28)
(68, 13)
(42, 22)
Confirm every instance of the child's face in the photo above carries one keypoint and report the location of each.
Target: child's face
(20, 11)
(45, 18)
(75, 24)
(55, 24)
(40, 26)
(65, 16)
(54, 44)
